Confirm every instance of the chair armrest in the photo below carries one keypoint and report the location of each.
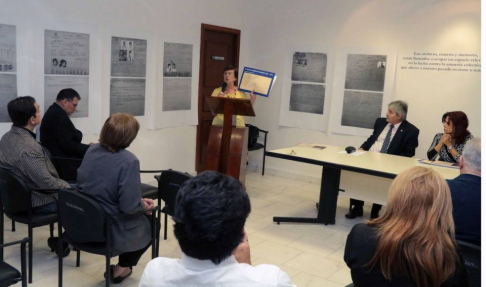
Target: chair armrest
(23, 241)
(151, 171)
(459, 242)
(66, 158)
(47, 190)
(259, 130)
(138, 212)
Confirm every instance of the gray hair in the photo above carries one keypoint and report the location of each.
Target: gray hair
(400, 107)
(472, 154)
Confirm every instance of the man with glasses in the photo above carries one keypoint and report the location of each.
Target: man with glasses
(60, 137)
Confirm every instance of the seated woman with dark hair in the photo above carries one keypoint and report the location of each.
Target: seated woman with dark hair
(413, 243)
(448, 146)
(111, 175)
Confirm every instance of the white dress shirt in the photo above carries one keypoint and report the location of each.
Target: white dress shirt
(376, 147)
(189, 271)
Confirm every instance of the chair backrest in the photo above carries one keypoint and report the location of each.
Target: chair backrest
(82, 217)
(472, 259)
(253, 134)
(169, 184)
(14, 193)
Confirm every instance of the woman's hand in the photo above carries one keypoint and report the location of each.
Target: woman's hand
(148, 203)
(252, 97)
(446, 139)
(221, 94)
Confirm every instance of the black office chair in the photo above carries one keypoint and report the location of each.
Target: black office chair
(150, 191)
(8, 274)
(472, 260)
(253, 144)
(170, 182)
(16, 198)
(87, 228)
(67, 169)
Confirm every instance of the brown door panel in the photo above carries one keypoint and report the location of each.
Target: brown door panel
(220, 42)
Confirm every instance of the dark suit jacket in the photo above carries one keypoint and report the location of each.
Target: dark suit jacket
(466, 207)
(403, 143)
(62, 139)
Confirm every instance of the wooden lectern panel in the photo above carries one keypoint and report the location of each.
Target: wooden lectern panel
(240, 107)
(238, 151)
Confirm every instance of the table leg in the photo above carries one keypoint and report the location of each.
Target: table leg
(326, 213)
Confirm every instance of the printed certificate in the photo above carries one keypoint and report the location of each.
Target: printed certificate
(258, 81)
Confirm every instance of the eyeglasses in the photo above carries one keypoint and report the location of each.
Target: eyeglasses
(75, 106)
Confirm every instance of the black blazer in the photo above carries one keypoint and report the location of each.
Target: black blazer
(62, 139)
(360, 248)
(403, 143)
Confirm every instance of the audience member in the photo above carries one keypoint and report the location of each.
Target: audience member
(448, 146)
(211, 211)
(413, 243)
(466, 194)
(21, 154)
(393, 135)
(110, 174)
(24, 156)
(58, 134)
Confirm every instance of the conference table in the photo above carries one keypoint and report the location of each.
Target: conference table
(365, 177)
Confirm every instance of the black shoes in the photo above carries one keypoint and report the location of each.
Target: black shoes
(355, 212)
(358, 211)
(374, 214)
(52, 243)
(118, 279)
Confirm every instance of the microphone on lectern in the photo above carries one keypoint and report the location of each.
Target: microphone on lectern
(224, 87)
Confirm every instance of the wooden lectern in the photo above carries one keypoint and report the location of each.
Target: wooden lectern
(228, 146)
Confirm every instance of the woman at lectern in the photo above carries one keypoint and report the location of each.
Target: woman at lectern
(413, 243)
(230, 90)
(448, 146)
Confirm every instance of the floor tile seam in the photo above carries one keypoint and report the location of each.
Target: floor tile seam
(284, 263)
(298, 240)
(351, 281)
(279, 243)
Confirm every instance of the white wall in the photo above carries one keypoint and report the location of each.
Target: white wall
(268, 29)
(169, 19)
(422, 26)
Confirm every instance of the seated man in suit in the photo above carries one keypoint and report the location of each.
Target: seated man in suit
(21, 154)
(60, 137)
(209, 224)
(24, 156)
(466, 194)
(393, 135)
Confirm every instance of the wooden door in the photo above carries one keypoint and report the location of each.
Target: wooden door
(220, 47)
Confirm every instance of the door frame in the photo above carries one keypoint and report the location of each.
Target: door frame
(204, 28)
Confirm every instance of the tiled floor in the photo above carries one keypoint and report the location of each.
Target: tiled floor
(311, 254)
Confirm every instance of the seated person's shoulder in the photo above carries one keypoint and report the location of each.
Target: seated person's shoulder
(267, 274)
(363, 232)
(161, 265)
(129, 156)
(410, 126)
